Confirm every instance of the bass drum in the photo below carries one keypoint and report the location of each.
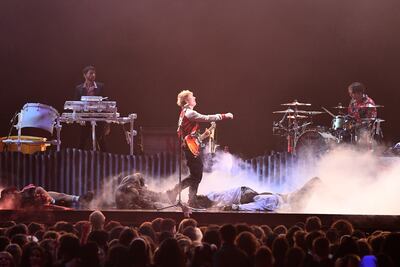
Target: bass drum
(314, 142)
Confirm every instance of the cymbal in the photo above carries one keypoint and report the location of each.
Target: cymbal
(340, 107)
(296, 103)
(372, 119)
(297, 117)
(289, 110)
(373, 106)
(310, 113)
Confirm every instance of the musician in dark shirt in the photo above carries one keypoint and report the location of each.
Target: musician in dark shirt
(188, 124)
(91, 88)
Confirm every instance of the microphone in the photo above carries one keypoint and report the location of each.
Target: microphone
(13, 117)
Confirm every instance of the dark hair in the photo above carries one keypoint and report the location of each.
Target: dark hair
(127, 235)
(228, 233)
(4, 242)
(17, 229)
(51, 235)
(99, 237)
(156, 224)
(169, 254)
(357, 87)
(321, 247)
(280, 229)
(118, 256)
(139, 252)
(294, 257)
(313, 223)
(33, 227)
(167, 225)
(27, 252)
(68, 246)
(185, 223)
(203, 255)
(147, 230)
(62, 226)
(343, 227)
(310, 237)
(87, 68)
(263, 256)
(88, 255)
(279, 249)
(211, 236)
(247, 242)
(243, 227)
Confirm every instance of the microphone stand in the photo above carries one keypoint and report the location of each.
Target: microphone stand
(186, 209)
(10, 131)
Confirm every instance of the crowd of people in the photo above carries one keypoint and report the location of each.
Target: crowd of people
(165, 242)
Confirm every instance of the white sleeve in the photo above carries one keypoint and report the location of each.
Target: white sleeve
(227, 197)
(262, 203)
(193, 115)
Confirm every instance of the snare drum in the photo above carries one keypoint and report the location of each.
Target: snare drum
(342, 123)
(338, 122)
(29, 144)
(38, 115)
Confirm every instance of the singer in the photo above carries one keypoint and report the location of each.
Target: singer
(189, 124)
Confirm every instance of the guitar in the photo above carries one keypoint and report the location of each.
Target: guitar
(194, 141)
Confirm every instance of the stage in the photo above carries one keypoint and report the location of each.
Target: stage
(367, 223)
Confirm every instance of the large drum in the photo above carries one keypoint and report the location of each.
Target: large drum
(314, 142)
(38, 115)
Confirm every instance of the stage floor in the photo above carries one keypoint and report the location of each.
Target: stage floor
(136, 217)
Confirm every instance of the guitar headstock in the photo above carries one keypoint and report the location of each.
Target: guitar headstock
(213, 125)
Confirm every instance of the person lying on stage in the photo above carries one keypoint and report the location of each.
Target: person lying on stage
(246, 199)
(132, 193)
(32, 196)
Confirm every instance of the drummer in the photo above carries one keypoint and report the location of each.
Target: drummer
(358, 107)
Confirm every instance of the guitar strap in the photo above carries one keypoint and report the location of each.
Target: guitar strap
(181, 116)
(180, 131)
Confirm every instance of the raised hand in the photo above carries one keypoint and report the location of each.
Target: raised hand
(227, 116)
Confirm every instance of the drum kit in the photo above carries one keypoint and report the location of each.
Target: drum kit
(297, 126)
(33, 115)
(91, 109)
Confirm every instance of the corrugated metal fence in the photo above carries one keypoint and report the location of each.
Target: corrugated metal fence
(75, 171)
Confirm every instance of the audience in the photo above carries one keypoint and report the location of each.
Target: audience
(164, 242)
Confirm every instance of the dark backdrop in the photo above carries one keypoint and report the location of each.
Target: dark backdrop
(245, 57)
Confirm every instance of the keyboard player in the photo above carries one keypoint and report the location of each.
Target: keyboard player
(91, 88)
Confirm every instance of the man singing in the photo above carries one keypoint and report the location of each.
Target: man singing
(91, 88)
(189, 124)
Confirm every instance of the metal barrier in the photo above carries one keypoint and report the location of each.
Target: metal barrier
(75, 171)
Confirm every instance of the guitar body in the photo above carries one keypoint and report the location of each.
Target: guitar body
(194, 141)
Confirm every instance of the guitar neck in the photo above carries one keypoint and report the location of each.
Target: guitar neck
(211, 129)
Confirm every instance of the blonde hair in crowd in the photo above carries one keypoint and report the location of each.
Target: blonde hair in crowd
(182, 97)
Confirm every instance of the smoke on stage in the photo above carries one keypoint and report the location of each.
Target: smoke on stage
(353, 182)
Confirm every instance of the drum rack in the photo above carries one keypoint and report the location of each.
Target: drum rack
(36, 115)
(82, 118)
